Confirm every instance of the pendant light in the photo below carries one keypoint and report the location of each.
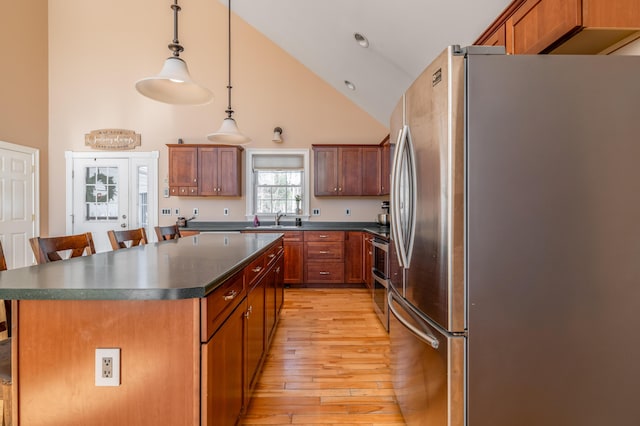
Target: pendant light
(174, 84)
(229, 133)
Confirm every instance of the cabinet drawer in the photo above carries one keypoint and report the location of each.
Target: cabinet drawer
(254, 270)
(324, 236)
(274, 252)
(217, 305)
(293, 236)
(324, 272)
(183, 190)
(320, 251)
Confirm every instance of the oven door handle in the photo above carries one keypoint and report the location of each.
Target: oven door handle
(430, 340)
(382, 246)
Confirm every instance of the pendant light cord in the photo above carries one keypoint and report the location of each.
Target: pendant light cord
(175, 46)
(229, 111)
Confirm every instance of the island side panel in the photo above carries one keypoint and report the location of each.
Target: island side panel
(160, 362)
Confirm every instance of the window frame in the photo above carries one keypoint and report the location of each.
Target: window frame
(250, 183)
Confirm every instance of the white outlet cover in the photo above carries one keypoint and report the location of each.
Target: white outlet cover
(114, 354)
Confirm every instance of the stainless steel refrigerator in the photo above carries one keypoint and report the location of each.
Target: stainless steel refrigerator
(515, 256)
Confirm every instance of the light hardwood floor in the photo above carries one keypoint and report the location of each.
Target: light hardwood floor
(328, 364)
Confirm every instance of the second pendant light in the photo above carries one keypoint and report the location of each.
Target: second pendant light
(228, 132)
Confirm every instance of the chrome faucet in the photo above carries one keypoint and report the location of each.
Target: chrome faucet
(278, 217)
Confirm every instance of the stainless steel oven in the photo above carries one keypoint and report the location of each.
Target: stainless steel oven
(380, 269)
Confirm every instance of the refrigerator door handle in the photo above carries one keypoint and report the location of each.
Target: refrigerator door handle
(404, 173)
(428, 339)
(395, 207)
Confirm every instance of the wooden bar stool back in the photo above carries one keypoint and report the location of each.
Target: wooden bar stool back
(49, 249)
(170, 232)
(5, 356)
(128, 238)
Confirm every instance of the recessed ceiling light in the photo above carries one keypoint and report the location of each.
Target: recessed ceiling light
(362, 40)
(349, 85)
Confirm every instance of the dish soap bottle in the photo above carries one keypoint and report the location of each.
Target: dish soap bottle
(256, 222)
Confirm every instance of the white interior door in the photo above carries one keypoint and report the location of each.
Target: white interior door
(111, 191)
(18, 202)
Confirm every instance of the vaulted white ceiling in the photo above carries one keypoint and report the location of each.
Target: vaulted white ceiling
(404, 36)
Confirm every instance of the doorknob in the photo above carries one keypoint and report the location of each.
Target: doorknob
(123, 225)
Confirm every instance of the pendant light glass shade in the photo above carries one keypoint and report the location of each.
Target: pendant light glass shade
(229, 133)
(174, 84)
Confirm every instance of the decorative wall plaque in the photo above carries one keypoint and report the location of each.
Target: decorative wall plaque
(112, 139)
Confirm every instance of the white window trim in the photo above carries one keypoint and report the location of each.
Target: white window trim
(248, 181)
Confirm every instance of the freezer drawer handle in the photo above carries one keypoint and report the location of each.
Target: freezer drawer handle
(430, 340)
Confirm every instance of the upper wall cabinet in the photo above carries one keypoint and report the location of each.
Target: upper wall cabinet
(347, 170)
(564, 26)
(205, 170)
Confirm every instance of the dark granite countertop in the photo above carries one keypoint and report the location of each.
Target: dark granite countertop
(189, 267)
(372, 227)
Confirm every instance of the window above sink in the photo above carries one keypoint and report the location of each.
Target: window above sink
(277, 180)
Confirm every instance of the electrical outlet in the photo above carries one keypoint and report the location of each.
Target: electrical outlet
(195, 211)
(176, 212)
(316, 212)
(347, 212)
(226, 211)
(166, 212)
(107, 366)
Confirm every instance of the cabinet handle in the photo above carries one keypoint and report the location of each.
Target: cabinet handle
(271, 256)
(230, 296)
(325, 273)
(322, 236)
(340, 189)
(248, 314)
(335, 189)
(278, 270)
(195, 180)
(324, 252)
(257, 269)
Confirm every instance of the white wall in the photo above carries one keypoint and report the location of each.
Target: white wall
(99, 49)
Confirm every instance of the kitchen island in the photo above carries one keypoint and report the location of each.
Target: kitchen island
(178, 311)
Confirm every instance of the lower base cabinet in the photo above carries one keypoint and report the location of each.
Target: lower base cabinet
(232, 357)
(222, 372)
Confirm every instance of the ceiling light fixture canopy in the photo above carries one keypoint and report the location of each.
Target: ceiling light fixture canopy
(173, 85)
(229, 133)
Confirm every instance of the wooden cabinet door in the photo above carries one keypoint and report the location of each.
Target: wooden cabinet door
(537, 24)
(325, 170)
(255, 332)
(353, 257)
(371, 170)
(279, 274)
(208, 171)
(293, 264)
(229, 171)
(269, 304)
(385, 170)
(611, 14)
(223, 367)
(350, 171)
(183, 166)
